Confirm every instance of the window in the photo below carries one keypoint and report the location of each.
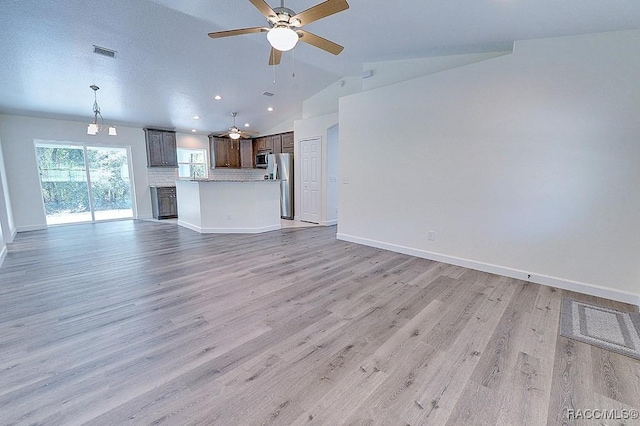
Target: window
(192, 163)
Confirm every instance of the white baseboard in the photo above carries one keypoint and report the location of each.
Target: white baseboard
(579, 287)
(31, 228)
(329, 222)
(228, 230)
(144, 216)
(14, 232)
(3, 254)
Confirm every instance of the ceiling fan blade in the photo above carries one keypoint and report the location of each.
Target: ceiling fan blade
(320, 11)
(274, 57)
(240, 31)
(265, 9)
(320, 42)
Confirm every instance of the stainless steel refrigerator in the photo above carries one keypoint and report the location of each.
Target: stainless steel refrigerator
(283, 166)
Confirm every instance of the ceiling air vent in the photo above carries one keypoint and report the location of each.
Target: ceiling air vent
(104, 51)
(269, 94)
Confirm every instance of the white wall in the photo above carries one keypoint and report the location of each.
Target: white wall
(384, 73)
(284, 127)
(7, 225)
(308, 129)
(390, 72)
(18, 134)
(3, 248)
(522, 164)
(326, 101)
(4, 211)
(189, 140)
(332, 174)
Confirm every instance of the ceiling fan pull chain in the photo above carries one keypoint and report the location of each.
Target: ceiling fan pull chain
(274, 74)
(293, 74)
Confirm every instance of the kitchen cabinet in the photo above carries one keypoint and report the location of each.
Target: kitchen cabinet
(287, 143)
(263, 143)
(234, 153)
(280, 143)
(219, 149)
(276, 144)
(164, 203)
(227, 153)
(161, 148)
(246, 154)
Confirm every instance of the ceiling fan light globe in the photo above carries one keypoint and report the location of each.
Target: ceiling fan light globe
(113, 131)
(282, 38)
(234, 135)
(92, 129)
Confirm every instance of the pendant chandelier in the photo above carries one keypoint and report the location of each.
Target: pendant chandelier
(98, 125)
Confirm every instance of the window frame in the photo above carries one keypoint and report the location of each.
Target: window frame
(182, 163)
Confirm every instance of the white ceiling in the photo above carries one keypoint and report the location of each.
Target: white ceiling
(167, 70)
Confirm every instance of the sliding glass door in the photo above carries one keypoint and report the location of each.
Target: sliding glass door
(110, 184)
(84, 183)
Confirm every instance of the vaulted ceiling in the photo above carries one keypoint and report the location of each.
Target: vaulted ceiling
(167, 70)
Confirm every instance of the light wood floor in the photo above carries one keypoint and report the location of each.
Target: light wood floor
(148, 323)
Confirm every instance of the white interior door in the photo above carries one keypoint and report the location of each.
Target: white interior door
(310, 166)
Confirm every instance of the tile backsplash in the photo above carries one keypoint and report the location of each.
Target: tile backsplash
(161, 176)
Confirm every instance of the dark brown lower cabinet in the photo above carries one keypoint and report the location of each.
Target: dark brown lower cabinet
(164, 203)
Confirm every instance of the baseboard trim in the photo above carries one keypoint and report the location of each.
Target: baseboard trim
(144, 216)
(329, 222)
(3, 254)
(31, 228)
(228, 230)
(561, 283)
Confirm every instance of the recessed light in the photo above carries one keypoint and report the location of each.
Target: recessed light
(193, 130)
(217, 97)
(270, 109)
(196, 117)
(246, 124)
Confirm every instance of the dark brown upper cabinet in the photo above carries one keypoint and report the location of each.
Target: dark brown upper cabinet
(161, 148)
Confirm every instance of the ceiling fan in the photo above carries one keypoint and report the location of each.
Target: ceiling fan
(284, 30)
(234, 132)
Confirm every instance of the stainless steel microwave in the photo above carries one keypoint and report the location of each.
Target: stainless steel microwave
(261, 159)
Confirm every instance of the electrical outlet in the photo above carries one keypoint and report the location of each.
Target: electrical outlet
(431, 235)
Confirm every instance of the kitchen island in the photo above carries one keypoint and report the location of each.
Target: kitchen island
(227, 207)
